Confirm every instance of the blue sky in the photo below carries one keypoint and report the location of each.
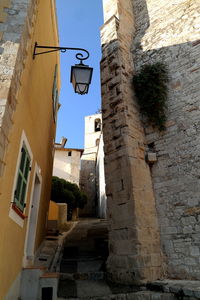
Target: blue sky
(79, 23)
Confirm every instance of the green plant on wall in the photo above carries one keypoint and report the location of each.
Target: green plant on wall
(151, 88)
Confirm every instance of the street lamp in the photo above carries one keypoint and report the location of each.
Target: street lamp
(81, 74)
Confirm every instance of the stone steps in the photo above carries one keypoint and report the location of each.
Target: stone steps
(83, 276)
(82, 267)
(141, 295)
(90, 289)
(182, 289)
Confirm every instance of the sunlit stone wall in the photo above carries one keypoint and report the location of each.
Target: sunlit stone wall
(168, 31)
(138, 32)
(134, 241)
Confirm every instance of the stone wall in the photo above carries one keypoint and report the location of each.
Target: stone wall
(16, 20)
(134, 242)
(88, 165)
(88, 184)
(137, 32)
(169, 32)
(100, 181)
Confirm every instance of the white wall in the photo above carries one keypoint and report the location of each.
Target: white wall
(90, 135)
(67, 167)
(100, 180)
(88, 165)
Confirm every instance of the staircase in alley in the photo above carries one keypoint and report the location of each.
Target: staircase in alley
(82, 266)
(72, 265)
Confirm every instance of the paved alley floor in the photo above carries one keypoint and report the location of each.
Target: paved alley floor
(83, 262)
(82, 267)
(83, 272)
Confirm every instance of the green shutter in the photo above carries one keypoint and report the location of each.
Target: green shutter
(55, 93)
(23, 172)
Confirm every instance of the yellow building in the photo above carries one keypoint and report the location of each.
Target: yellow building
(28, 105)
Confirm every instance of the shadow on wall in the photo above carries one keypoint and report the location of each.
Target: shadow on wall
(167, 32)
(88, 185)
(163, 34)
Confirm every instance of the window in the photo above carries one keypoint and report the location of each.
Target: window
(22, 177)
(55, 94)
(97, 142)
(97, 125)
(69, 153)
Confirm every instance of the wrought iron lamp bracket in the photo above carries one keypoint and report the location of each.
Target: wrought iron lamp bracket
(79, 56)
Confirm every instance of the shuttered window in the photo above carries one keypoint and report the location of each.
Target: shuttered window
(55, 94)
(23, 172)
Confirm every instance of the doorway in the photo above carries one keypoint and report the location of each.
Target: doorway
(32, 221)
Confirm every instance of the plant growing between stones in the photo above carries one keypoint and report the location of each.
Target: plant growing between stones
(151, 88)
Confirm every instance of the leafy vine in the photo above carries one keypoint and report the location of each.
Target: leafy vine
(151, 88)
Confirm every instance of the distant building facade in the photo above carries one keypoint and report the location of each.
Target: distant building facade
(67, 162)
(92, 167)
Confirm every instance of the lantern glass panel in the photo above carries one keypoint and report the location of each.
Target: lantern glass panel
(82, 75)
(82, 88)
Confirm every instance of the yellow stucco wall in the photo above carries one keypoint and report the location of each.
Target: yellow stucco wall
(33, 115)
(3, 15)
(53, 211)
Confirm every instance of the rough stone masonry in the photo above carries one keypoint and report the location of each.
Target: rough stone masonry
(134, 241)
(154, 213)
(16, 25)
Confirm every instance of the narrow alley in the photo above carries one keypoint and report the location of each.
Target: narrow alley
(72, 265)
(82, 266)
(112, 211)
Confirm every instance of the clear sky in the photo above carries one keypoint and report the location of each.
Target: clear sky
(79, 23)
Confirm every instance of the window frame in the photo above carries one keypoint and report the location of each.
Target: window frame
(97, 122)
(55, 94)
(15, 213)
(22, 179)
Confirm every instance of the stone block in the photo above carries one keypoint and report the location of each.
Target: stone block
(190, 261)
(197, 293)
(139, 296)
(188, 291)
(151, 157)
(194, 251)
(187, 229)
(156, 260)
(171, 230)
(2, 16)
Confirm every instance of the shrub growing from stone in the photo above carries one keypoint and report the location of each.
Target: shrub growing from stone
(151, 88)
